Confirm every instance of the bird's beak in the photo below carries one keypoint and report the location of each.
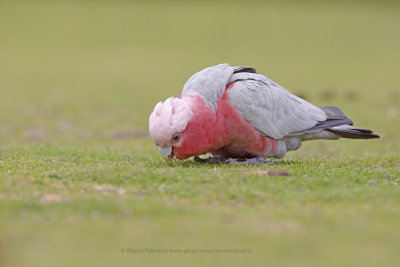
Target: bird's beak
(167, 152)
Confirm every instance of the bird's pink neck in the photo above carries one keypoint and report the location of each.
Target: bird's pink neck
(223, 133)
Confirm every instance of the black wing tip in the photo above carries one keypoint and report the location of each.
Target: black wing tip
(245, 69)
(373, 136)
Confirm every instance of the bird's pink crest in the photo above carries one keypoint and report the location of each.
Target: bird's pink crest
(170, 117)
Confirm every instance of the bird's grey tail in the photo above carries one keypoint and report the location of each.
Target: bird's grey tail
(349, 131)
(339, 124)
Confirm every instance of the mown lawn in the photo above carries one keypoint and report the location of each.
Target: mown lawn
(82, 184)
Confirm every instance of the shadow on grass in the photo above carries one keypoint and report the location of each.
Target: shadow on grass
(190, 163)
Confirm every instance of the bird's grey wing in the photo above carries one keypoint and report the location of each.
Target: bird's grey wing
(209, 83)
(270, 108)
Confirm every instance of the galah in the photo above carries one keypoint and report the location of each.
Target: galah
(236, 113)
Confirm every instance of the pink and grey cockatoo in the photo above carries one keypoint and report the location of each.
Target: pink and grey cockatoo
(234, 112)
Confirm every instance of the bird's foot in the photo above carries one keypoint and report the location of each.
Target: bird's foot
(252, 161)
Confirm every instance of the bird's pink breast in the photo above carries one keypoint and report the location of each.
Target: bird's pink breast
(222, 133)
(244, 140)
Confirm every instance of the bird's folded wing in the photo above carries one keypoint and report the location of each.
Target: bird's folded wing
(270, 108)
(209, 83)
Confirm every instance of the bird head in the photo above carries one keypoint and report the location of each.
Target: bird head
(177, 126)
(167, 123)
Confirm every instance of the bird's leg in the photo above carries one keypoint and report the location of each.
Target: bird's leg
(252, 161)
(211, 160)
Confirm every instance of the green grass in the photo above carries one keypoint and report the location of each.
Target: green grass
(80, 179)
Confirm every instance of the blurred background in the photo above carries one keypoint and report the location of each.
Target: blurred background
(87, 74)
(89, 71)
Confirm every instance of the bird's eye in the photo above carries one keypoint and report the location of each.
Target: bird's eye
(176, 137)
